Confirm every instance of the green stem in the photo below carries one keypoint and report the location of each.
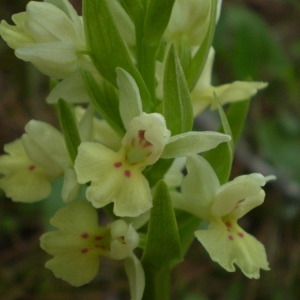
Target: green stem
(157, 284)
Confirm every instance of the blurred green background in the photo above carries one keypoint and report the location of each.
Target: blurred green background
(258, 39)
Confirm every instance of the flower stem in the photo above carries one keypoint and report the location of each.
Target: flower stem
(157, 284)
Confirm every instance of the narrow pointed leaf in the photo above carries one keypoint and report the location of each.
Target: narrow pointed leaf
(157, 18)
(105, 99)
(221, 157)
(187, 225)
(69, 127)
(162, 247)
(236, 115)
(134, 9)
(107, 48)
(177, 106)
(156, 172)
(201, 55)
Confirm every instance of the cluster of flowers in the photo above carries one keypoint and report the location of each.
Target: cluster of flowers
(111, 160)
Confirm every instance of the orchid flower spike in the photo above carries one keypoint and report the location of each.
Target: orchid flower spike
(221, 206)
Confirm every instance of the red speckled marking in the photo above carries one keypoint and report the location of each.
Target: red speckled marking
(118, 164)
(31, 167)
(101, 247)
(230, 237)
(127, 173)
(142, 140)
(98, 238)
(240, 234)
(84, 250)
(85, 235)
(228, 224)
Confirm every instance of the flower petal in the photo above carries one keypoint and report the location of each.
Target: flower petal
(23, 180)
(237, 91)
(14, 36)
(189, 19)
(192, 142)
(77, 244)
(199, 186)
(45, 145)
(71, 189)
(93, 162)
(74, 267)
(238, 197)
(71, 89)
(112, 180)
(155, 132)
(136, 277)
(133, 197)
(174, 175)
(47, 22)
(26, 185)
(55, 59)
(76, 217)
(227, 249)
(124, 239)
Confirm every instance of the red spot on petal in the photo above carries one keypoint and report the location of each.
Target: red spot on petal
(85, 235)
(127, 173)
(118, 164)
(142, 140)
(240, 234)
(31, 167)
(228, 224)
(230, 237)
(98, 238)
(84, 250)
(101, 247)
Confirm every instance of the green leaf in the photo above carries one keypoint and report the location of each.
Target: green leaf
(130, 104)
(69, 128)
(232, 123)
(104, 97)
(162, 247)
(135, 11)
(107, 49)
(187, 225)
(157, 18)
(177, 106)
(199, 59)
(185, 54)
(156, 172)
(236, 116)
(221, 157)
